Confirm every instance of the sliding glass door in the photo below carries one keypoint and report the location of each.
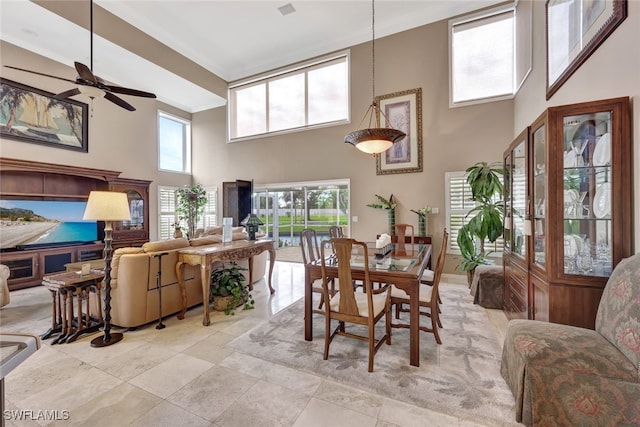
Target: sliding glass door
(287, 209)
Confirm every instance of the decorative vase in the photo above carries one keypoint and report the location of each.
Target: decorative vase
(392, 222)
(177, 233)
(422, 225)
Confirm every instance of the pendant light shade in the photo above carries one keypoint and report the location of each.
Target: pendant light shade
(374, 139)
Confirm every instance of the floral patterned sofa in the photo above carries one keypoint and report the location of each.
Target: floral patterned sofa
(564, 375)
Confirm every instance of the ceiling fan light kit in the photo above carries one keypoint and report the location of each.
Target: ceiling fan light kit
(377, 139)
(91, 85)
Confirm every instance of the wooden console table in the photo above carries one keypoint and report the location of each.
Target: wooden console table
(204, 256)
(63, 287)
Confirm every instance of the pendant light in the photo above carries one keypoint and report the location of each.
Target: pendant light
(376, 139)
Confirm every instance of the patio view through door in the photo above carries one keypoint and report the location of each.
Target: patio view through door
(287, 209)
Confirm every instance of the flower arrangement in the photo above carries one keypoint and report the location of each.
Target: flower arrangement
(422, 219)
(390, 206)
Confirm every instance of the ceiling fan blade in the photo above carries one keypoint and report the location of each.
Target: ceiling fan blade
(68, 93)
(40, 74)
(119, 101)
(127, 91)
(85, 73)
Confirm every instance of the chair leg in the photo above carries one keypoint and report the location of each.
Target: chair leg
(388, 325)
(327, 335)
(434, 324)
(372, 344)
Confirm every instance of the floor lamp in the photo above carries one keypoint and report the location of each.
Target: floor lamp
(107, 206)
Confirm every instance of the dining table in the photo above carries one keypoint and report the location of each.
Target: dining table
(399, 264)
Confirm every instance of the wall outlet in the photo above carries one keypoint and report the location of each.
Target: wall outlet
(435, 211)
(354, 218)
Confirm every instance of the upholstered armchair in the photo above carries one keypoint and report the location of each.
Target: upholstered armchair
(564, 375)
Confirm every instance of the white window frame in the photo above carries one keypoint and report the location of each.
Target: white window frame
(302, 68)
(208, 219)
(186, 142)
(495, 248)
(522, 41)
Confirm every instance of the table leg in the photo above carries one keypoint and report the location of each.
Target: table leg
(183, 290)
(55, 316)
(308, 303)
(414, 325)
(205, 276)
(272, 260)
(250, 262)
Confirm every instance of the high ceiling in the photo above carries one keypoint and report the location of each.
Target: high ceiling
(231, 39)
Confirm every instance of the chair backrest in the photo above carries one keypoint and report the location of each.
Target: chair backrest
(309, 245)
(619, 310)
(440, 262)
(401, 232)
(335, 232)
(344, 249)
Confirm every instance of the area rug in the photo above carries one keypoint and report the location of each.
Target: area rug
(459, 377)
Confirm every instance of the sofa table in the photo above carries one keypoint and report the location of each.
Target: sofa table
(63, 287)
(204, 256)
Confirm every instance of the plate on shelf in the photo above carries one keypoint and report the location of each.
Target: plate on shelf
(602, 152)
(602, 201)
(571, 196)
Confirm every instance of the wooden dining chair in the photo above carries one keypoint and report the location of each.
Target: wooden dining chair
(310, 255)
(428, 298)
(335, 231)
(428, 275)
(401, 232)
(349, 306)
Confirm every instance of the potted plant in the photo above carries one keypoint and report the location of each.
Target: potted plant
(191, 200)
(390, 206)
(422, 219)
(485, 221)
(228, 290)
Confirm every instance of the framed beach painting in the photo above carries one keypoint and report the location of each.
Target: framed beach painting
(32, 115)
(575, 29)
(403, 110)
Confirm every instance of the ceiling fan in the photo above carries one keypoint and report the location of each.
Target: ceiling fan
(92, 85)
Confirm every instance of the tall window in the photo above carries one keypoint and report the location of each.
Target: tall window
(459, 202)
(490, 53)
(167, 211)
(310, 95)
(174, 143)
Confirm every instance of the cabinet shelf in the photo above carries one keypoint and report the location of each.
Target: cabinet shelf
(578, 224)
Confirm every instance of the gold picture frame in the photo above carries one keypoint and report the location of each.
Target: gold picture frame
(575, 30)
(404, 112)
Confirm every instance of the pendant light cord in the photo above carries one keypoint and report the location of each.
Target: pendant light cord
(373, 49)
(91, 31)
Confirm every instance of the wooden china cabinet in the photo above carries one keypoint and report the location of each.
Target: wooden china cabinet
(136, 231)
(568, 218)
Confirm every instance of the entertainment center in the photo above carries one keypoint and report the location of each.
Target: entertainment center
(24, 181)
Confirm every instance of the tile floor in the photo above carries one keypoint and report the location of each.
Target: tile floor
(182, 375)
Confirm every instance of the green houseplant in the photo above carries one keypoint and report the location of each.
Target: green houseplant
(191, 200)
(390, 206)
(485, 222)
(228, 290)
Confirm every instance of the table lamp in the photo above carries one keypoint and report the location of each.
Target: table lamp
(252, 223)
(107, 206)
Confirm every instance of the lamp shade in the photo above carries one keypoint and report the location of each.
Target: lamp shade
(374, 140)
(107, 206)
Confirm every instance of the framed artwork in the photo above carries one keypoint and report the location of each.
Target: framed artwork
(404, 112)
(575, 29)
(33, 115)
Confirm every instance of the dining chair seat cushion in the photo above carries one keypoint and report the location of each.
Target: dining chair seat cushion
(427, 275)
(379, 303)
(425, 293)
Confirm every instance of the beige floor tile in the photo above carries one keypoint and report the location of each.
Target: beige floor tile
(271, 404)
(349, 397)
(167, 414)
(407, 415)
(319, 413)
(211, 348)
(136, 361)
(213, 392)
(171, 375)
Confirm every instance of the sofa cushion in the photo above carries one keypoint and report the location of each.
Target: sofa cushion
(207, 240)
(165, 245)
(618, 318)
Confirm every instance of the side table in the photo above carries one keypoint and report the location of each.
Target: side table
(63, 287)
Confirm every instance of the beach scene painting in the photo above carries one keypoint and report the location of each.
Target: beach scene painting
(27, 222)
(33, 115)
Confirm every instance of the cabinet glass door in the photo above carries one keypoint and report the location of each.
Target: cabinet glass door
(519, 199)
(508, 235)
(539, 196)
(587, 197)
